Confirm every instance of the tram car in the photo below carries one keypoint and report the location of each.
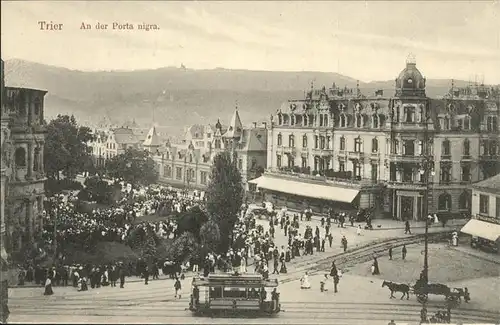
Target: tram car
(234, 294)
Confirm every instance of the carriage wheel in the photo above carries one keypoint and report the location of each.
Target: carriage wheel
(421, 298)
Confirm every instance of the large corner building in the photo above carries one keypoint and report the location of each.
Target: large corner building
(339, 147)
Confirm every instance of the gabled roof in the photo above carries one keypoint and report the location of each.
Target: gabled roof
(125, 136)
(196, 131)
(491, 184)
(152, 139)
(235, 128)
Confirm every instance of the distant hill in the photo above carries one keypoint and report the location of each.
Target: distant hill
(176, 97)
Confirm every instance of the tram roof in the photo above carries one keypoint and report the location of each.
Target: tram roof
(244, 280)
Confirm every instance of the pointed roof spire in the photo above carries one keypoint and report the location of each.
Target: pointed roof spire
(235, 126)
(152, 139)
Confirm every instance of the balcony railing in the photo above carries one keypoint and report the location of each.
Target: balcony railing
(288, 149)
(356, 155)
(405, 158)
(324, 151)
(329, 180)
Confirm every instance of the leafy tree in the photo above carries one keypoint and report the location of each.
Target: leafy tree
(210, 235)
(224, 196)
(184, 247)
(148, 252)
(98, 190)
(133, 166)
(191, 221)
(66, 147)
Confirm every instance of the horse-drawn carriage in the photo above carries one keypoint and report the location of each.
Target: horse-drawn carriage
(453, 296)
(422, 290)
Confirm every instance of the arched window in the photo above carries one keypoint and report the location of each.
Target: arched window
(464, 201)
(359, 120)
(304, 141)
(20, 157)
(36, 159)
(467, 122)
(280, 139)
(444, 202)
(374, 145)
(342, 143)
(343, 120)
(446, 148)
(466, 147)
(375, 121)
(291, 141)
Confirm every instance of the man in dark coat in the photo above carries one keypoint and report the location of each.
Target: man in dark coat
(407, 227)
(122, 276)
(146, 275)
(403, 252)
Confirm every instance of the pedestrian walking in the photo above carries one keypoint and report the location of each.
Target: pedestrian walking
(48, 287)
(122, 277)
(344, 243)
(275, 266)
(146, 275)
(336, 280)
(177, 287)
(403, 252)
(375, 269)
(407, 227)
(390, 253)
(330, 239)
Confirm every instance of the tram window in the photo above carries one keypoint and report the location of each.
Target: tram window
(253, 293)
(235, 293)
(216, 292)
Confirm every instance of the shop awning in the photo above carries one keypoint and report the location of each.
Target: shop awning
(482, 229)
(255, 181)
(324, 192)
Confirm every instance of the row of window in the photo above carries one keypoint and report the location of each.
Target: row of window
(464, 123)
(484, 205)
(190, 174)
(488, 147)
(464, 201)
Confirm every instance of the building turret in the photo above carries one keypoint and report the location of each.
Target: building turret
(152, 141)
(410, 81)
(235, 127)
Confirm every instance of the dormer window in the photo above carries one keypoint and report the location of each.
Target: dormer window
(375, 121)
(280, 119)
(343, 120)
(359, 120)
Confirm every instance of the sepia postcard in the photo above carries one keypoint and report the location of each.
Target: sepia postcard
(250, 162)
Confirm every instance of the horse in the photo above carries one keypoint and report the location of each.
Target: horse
(397, 287)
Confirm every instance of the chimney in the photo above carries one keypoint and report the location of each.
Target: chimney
(254, 125)
(264, 124)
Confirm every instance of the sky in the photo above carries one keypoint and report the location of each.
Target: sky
(366, 40)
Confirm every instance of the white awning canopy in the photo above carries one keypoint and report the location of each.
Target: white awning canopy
(482, 229)
(325, 192)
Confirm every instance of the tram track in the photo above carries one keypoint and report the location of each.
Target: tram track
(292, 310)
(357, 255)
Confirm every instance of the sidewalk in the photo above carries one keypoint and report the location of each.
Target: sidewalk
(490, 257)
(384, 224)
